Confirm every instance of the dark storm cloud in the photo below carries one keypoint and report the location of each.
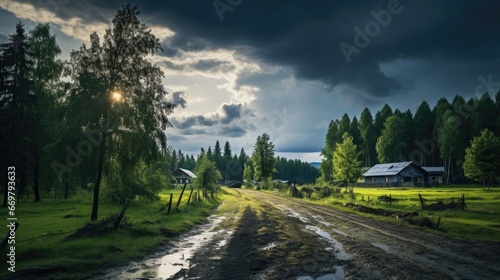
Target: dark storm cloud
(176, 138)
(178, 99)
(203, 65)
(191, 121)
(212, 64)
(4, 38)
(232, 131)
(230, 113)
(306, 36)
(228, 131)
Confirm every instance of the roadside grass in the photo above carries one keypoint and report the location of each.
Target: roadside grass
(479, 221)
(40, 237)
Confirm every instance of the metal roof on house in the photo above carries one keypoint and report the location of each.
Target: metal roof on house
(387, 169)
(437, 169)
(188, 172)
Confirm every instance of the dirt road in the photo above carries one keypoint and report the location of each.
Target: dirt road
(266, 236)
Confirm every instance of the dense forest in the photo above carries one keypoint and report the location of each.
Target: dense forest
(430, 137)
(232, 165)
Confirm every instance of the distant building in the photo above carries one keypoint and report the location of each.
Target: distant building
(435, 175)
(291, 183)
(396, 174)
(183, 176)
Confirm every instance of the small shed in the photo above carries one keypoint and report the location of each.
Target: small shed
(183, 176)
(436, 174)
(396, 174)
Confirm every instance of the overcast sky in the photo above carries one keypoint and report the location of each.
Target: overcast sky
(239, 68)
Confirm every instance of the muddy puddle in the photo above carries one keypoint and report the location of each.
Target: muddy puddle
(336, 246)
(381, 246)
(173, 260)
(338, 275)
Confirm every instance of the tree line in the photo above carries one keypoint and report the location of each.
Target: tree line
(232, 166)
(431, 137)
(95, 122)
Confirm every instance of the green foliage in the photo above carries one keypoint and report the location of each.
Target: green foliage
(331, 140)
(45, 73)
(296, 170)
(380, 119)
(450, 140)
(367, 133)
(295, 192)
(482, 158)
(346, 166)
(390, 145)
(424, 124)
(207, 175)
(264, 162)
(247, 174)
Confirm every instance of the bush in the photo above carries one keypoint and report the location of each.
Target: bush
(279, 186)
(325, 191)
(295, 192)
(306, 191)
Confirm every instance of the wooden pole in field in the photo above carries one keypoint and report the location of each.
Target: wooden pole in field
(190, 193)
(422, 202)
(180, 197)
(170, 203)
(120, 217)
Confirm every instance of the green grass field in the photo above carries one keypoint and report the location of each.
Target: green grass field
(40, 238)
(480, 220)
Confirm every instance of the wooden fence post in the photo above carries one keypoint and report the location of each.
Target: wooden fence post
(120, 217)
(190, 193)
(422, 202)
(170, 203)
(180, 197)
(390, 199)
(463, 202)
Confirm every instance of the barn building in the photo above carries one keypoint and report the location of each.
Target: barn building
(396, 174)
(183, 176)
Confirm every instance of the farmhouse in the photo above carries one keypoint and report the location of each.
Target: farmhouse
(396, 174)
(435, 175)
(183, 176)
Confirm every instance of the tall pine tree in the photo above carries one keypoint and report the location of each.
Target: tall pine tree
(16, 104)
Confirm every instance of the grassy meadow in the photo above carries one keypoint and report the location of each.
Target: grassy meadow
(44, 227)
(480, 220)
